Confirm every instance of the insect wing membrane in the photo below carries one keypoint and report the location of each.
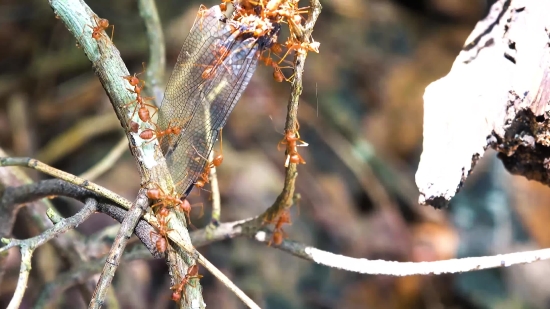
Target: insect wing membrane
(212, 115)
(206, 100)
(178, 104)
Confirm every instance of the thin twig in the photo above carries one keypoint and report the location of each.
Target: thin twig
(157, 49)
(285, 199)
(15, 176)
(28, 246)
(113, 260)
(110, 68)
(177, 235)
(233, 229)
(107, 162)
(39, 166)
(59, 228)
(81, 274)
(13, 196)
(24, 271)
(375, 267)
(216, 200)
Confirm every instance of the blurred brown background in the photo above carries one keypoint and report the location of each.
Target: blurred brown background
(361, 113)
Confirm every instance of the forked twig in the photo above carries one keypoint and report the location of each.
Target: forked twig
(28, 246)
(309, 253)
(177, 225)
(46, 169)
(284, 200)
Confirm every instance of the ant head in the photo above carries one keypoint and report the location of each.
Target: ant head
(163, 212)
(185, 206)
(193, 270)
(161, 244)
(278, 76)
(176, 296)
(103, 23)
(207, 72)
(277, 237)
(199, 183)
(133, 80)
(176, 130)
(276, 48)
(285, 217)
(154, 194)
(96, 34)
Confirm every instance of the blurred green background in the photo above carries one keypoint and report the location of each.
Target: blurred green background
(361, 113)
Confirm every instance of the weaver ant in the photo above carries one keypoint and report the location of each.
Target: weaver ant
(300, 47)
(192, 272)
(101, 24)
(168, 200)
(220, 55)
(217, 161)
(138, 84)
(135, 81)
(291, 140)
(159, 134)
(162, 241)
(141, 108)
(278, 233)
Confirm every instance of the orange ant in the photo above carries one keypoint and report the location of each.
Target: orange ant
(135, 81)
(217, 161)
(138, 85)
(291, 140)
(192, 272)
(278, 75)
(223, 5)
(278, 233)
(220, 55)
(101, 24)
(162, 234)
(300, 47)
(141, 108)
(167, 200)
(160, 134)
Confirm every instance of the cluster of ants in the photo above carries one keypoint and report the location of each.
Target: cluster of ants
(261, 16)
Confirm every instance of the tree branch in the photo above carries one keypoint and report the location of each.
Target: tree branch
(152, 167)
(157, 49)
(28, 246)
(80, 274)
(285, 199)
(115, 254)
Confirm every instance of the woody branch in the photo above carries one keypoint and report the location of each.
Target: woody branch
(233, 229)
(285, 198)
(110, 68)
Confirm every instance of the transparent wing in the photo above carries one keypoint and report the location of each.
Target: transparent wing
(209, 79)
(198, 50)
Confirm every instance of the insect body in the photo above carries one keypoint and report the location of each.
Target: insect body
(192, 272)
(213, 69)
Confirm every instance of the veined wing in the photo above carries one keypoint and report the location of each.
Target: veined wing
(209, 77)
